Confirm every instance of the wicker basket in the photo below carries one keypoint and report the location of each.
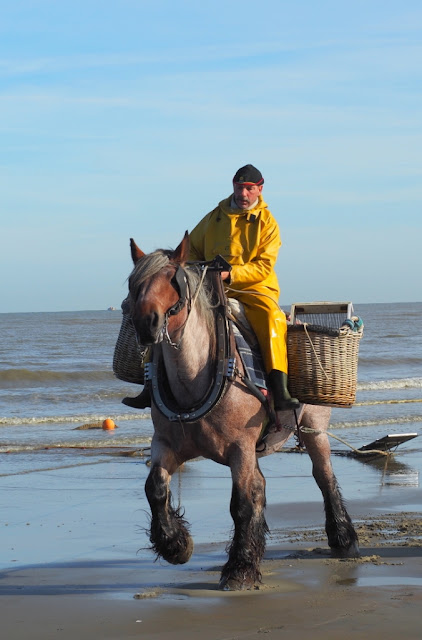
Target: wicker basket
(128, 355)
(323, 364)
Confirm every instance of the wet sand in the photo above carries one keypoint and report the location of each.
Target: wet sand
(73, 562)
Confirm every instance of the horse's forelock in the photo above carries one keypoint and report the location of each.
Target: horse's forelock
(147, 267)
(152, 263)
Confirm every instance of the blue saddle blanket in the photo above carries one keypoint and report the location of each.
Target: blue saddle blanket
(251, 359)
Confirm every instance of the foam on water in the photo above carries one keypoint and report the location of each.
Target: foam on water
(72, 419)
(401, 383)
(377, 422)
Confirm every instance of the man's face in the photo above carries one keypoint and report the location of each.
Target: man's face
(246, 194)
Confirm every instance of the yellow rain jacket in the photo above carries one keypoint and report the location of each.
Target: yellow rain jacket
(249, 241)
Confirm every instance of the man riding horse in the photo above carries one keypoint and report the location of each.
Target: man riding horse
(244, 232)
(190, 366)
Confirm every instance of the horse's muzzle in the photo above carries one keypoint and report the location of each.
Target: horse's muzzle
(149, 327)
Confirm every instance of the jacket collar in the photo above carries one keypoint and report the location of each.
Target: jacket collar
(225, 206)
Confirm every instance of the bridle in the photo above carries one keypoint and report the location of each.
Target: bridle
(180, 282)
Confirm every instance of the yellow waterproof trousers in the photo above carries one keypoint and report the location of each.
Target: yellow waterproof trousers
(269, 324)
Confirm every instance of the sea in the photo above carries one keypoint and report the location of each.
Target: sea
(57, 387)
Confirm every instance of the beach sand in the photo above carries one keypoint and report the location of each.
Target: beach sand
(73, 562)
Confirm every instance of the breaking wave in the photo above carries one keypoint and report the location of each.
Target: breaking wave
(398, 420)
(399, 383)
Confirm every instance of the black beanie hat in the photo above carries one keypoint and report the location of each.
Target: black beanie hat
(248, 175)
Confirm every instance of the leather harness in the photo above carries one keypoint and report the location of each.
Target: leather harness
(225, 369)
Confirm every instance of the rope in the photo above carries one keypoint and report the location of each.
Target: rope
(255, 293)
(315, 353)
(361, 453)
(204, 273)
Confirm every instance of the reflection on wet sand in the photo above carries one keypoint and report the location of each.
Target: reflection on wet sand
(393, 471)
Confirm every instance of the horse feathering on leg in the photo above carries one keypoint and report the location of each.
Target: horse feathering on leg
(179, 324)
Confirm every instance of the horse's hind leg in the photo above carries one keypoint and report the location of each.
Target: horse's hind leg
(169, 533)
(341, 534)
(242, 569)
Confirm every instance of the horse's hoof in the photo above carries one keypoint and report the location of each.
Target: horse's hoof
(229, 584)
(184, 555)
(234, 584)
(351, 552)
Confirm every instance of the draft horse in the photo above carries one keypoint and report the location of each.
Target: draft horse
(172, 311)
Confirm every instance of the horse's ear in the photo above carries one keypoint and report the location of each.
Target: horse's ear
(135, 251)
(181, 254)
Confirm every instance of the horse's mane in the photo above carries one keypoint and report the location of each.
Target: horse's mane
(150, 264)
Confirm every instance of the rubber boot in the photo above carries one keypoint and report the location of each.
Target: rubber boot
(283, 401)
(139, 402)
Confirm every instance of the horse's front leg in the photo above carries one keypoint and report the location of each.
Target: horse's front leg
(342, 537)
(242, 569)
(169, 534)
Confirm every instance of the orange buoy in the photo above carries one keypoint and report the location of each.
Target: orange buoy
(108, 424)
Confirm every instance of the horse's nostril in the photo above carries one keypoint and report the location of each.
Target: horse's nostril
(155, 320)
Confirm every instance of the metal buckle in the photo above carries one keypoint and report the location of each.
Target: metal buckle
(148, 371)
(230, 367)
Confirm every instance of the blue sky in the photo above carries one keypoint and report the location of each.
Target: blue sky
(129, 118)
